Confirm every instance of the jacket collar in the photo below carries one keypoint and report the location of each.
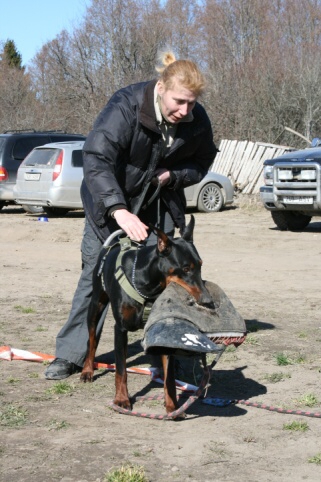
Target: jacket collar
(147, 110)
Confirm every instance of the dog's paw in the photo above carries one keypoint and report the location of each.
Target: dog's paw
(171, 408)
(123, 403)
(181, 416)
(87, 377)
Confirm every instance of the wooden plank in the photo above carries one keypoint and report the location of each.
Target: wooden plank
(221, 165)
(244, 174)
(252, 165)
(222, 147)
(247, 157)
(258, 169)
(226, 161)
(280, 152)
(234, 155)
(220, 156)
(277, 146)
(238, 156)
(258, 177)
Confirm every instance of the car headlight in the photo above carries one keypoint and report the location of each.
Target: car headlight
(268, 175)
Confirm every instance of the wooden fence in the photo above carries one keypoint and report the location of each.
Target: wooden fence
(242, 162)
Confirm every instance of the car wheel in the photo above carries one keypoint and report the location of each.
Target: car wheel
(290, 220)
(56, 211)
(32, 209)
(210, 199)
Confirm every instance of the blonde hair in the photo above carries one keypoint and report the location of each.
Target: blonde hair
(185, 72)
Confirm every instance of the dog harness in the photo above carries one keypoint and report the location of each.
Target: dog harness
(126, 244)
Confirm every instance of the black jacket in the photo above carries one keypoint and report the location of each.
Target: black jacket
(124, 148)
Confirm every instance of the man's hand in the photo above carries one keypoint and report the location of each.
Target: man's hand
(163, 175)
(131, 224)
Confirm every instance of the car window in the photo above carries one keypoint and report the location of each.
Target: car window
(23, 146)
(42, 157)
(76, 159)
(65, 138)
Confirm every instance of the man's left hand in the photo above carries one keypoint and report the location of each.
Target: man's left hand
(163, 176)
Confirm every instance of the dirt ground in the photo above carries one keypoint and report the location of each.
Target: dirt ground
(271, 277)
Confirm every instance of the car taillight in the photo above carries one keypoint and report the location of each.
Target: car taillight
(3, 174)
(58, 166)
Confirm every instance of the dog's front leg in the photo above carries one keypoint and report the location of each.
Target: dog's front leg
(170, 403)
(121, 340)
(95, 310)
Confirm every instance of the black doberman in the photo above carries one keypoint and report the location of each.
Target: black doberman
(150, 269)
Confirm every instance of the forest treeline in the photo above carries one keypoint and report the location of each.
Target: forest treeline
(261, 59)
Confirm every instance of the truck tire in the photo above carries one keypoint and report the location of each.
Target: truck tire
(290, 220)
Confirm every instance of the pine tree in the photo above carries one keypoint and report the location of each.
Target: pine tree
(11, 56)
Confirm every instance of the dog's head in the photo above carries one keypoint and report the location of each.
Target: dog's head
(180, 262)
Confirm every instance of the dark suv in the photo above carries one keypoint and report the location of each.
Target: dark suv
(292, 191)
(14, 147)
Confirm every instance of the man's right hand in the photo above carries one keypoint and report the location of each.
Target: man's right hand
(131, 224)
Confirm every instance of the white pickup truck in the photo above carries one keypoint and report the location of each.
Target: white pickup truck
(292, 191)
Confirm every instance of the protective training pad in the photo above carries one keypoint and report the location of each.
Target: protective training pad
(178, 325)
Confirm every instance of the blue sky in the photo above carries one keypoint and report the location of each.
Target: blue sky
(31, 23)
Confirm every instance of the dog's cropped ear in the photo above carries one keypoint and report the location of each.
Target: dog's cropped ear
(188, 232)
(164, 244)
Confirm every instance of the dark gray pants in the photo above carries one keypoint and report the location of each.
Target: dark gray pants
(71, 342)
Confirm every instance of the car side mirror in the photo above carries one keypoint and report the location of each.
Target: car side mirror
(316, 142)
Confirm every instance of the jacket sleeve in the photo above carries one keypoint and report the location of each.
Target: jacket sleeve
(103, 152)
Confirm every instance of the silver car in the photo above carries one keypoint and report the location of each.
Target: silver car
(51, 175)
(211, 194)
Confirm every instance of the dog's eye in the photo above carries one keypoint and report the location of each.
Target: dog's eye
(186, 269)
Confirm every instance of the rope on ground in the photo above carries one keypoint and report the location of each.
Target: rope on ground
(222, 402)
(169, 416)
(278, 409)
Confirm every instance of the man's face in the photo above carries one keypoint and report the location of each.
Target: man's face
(176, 102)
